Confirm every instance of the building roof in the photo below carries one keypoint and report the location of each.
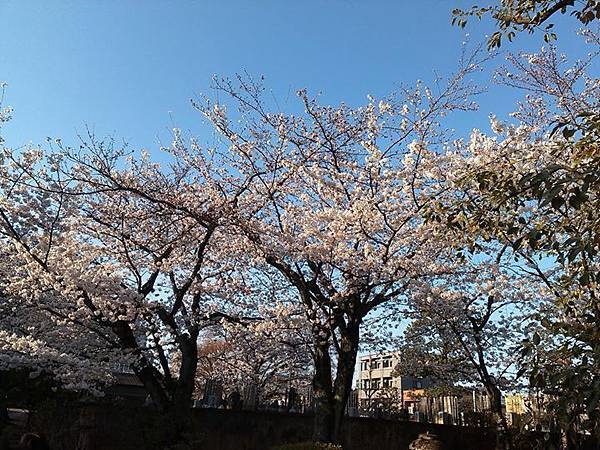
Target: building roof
(127, 379)
(380, 355)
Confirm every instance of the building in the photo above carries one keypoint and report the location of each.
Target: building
(126, 385)
(382, 390)
(379, 387)
(527, 409)
(454, 406)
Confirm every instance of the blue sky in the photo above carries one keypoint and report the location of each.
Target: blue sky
(129, 68)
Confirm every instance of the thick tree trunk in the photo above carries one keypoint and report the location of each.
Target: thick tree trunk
(148, 375)
(178, 413)
(170, 396)
(343, 380)
(184, 387)
(323, 393)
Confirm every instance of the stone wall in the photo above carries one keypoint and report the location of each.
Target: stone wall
(365, 433)
(70, 426)
(103, 427)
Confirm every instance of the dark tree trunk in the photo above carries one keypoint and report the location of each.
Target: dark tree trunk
(167, 396)
(329, 399)
(491, 387)
(323, 393)
(572, 438)
(148, 375)
(343, 381)
(184, 387)
(496, 405)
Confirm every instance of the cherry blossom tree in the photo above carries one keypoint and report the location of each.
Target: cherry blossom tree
(110, 258)
(271, 354)
(144, 256)
(467, 328)
(337, 195)
(532, 190)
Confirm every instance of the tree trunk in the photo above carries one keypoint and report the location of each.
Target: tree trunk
(153, 386)
(184, 387)
(496, 404)
(148, 375)
(571, 435)
(323, 395)
(343, 381)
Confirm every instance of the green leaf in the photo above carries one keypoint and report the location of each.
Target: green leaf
(573, 254)
(551, 194)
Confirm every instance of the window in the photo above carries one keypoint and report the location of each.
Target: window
(375, 364)
(387, 382)
(387, 362)
(366, 384)
(375, 383)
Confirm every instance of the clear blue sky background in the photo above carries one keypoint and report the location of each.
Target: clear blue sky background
(129, 68)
